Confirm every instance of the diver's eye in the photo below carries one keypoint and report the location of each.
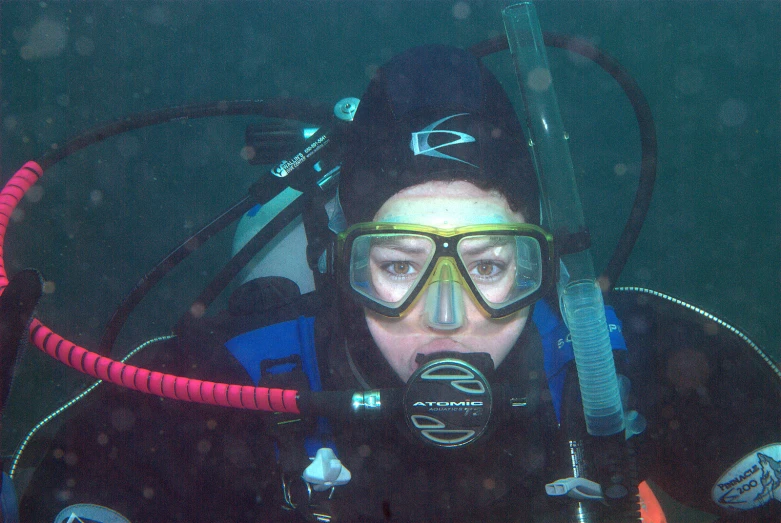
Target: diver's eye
(399, 268)
(486, 270)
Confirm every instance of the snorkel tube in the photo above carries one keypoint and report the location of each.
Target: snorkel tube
(580, 296)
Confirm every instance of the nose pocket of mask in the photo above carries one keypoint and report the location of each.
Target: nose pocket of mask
(445, 300)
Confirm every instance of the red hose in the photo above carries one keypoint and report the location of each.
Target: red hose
(136, 378)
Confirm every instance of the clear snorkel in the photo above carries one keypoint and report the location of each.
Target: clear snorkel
(579, 294)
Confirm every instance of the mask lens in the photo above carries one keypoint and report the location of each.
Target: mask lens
(503, 268)
(387, 268)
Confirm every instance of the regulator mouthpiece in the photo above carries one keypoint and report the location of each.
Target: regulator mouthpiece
(448, 402)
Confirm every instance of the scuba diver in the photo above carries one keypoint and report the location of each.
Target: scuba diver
(434, 275)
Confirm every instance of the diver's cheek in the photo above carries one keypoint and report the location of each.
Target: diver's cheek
(498, 337)
(396, 344)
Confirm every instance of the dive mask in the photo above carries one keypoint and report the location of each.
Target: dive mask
(502, 267)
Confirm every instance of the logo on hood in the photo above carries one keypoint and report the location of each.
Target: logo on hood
(420, 146)
(752, 481)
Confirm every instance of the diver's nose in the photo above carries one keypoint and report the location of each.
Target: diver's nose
(444, 308)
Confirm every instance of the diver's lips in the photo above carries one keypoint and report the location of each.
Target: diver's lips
(438, 345)
(443, 345)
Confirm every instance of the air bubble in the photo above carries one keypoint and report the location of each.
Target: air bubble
(197, 310)
(84, 46)
(96, 197)
(247, 152)
(461, 10)
(733, 112)
(34, 194)
(539, 79)
(10, 123)
(688, 81)
(46, 39)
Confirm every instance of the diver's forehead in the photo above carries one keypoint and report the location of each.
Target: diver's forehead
(447, 205)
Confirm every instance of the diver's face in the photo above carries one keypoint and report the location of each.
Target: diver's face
(445, 205)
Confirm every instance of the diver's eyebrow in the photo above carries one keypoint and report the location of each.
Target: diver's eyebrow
(478, 245)
(405, 245)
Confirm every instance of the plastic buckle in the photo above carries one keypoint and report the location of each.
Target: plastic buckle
(326, 471)
(576, 488)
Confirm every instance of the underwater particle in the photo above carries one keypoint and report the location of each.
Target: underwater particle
(461, 10)
(247, 152)
(58, 453)
(237, 452)
(71, 229)
(192, 244)
(128, 146)
(88, 19)
(84, 46)
(688, 370)
(10, 122)
(17, 215)
(63, 100)
(364, 451)
(620, 169)
(688, 80)
(34, 194)
(123, 419)
(71, 458)
(64, 495)
(96, 197)
(371, 70)
(204, 446)
(49, 287)
(710, 328)
(70, 482)
(580, 52)
(102, 439)
(211, 424)
(534, 458)
(46, 39)
(643, 274)
(386, 53)
(157, 15)
(188, 224)
(639, 324)
(546, 396)
(148, 492)
(20, 34)
(539, 79)
(198, 309)
(733, 112)
(489, 483)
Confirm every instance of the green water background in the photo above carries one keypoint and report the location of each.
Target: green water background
(100, 219)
